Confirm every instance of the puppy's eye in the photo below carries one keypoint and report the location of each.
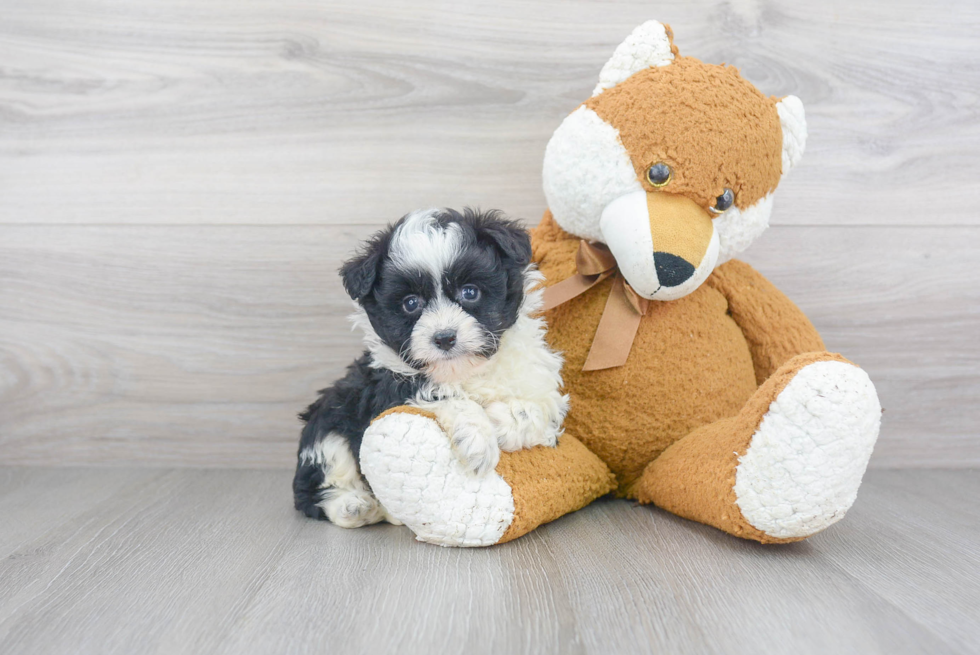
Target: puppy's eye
(411, 304)
(659, 174)
(469, 293)
(723, 202)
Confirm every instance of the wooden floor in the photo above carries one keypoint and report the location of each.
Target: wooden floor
(216, 561)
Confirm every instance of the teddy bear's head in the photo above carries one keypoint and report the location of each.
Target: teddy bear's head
(671, 163)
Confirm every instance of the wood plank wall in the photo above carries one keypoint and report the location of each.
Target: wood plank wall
(180, 180)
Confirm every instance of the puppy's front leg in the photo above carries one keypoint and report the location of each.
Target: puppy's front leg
(470, 432)
(527, 423)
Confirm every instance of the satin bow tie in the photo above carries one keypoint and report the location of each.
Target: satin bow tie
(623, 311)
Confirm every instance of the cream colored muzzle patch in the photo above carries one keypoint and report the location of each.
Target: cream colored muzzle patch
(680, 227)
(665, 245)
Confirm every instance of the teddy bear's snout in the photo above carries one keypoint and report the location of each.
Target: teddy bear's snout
(671, 269)
(665, 245)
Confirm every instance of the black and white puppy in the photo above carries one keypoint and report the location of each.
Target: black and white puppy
(449, 306)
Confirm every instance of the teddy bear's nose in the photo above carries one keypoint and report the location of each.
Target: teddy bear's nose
(671, 269)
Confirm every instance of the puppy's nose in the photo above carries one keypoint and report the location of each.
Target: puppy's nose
(445, 339)
(671, 269)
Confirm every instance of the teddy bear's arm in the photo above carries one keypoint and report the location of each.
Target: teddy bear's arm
(775, 328)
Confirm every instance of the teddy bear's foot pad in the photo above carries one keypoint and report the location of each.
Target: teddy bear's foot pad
(413, 471)
(805, 461)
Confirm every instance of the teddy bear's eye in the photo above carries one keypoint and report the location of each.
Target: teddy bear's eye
(659, 174)
(723, 202)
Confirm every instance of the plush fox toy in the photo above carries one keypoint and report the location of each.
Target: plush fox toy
(695, 384)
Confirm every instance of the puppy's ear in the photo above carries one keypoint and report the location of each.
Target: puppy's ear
(361, 273)
(508, 236)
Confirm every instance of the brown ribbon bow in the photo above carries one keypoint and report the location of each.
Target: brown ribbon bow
(622, 314)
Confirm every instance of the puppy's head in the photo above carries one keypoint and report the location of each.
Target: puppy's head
(439, 289)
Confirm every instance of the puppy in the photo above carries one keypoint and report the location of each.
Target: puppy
(449, 305)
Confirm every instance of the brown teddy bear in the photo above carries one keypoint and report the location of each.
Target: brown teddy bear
(695, 384)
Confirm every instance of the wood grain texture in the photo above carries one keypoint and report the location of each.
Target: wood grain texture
(218, 562)
(289, 111)
(198, 345)
(180, 180)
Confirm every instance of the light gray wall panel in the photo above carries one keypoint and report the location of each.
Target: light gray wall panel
(198, 345)
(290, 111)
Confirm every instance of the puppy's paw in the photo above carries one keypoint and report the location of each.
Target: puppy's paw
(352, 508)
(520, 424)
(474, 441)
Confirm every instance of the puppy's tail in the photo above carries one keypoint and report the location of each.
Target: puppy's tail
(308, 490)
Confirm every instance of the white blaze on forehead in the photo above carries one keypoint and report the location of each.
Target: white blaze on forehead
(421, 244)
(586, 167)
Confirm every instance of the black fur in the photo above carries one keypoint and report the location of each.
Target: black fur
(361, 273)
(495, 254)
(346, 409)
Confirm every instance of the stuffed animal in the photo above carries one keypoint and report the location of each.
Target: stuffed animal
(695, 384)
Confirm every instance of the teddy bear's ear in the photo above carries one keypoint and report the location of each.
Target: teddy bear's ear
(650, 44)
(793, 121)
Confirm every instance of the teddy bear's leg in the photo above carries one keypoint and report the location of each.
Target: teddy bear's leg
(407, 459)
(787, 466)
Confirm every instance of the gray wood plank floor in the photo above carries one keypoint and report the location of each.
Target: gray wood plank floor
(206, 561)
